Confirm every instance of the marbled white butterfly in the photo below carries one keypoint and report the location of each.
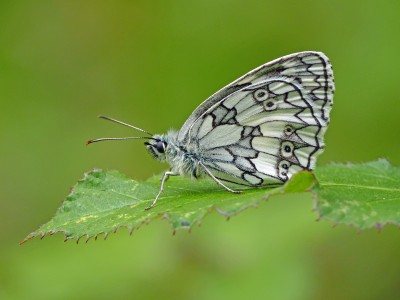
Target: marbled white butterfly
(261, 129)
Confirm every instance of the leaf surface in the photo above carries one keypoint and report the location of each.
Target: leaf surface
(362, 195)
(104, 201)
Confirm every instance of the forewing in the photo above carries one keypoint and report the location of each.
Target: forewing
(313, 67)
(268, 124)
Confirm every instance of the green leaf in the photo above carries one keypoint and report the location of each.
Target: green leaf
(362, 195)
(104, 201)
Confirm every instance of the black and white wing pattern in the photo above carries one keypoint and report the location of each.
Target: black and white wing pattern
(268, 124)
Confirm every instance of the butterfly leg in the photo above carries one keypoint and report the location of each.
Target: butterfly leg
(217, 180)
(163, 180)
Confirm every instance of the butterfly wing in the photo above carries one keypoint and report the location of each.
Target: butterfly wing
(268, 124)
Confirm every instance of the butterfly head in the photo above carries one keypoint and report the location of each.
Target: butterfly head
(157, 146)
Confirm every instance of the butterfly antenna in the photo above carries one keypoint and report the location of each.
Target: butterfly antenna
(118, 139)
(125, 124)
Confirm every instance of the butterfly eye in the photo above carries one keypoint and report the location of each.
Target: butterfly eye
(287, 149)
(160, 146)
(288, 130)
(260, 95)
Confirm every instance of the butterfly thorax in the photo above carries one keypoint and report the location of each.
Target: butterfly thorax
(183, 160)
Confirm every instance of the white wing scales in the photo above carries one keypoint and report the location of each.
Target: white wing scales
(268, 124)
(221, 136)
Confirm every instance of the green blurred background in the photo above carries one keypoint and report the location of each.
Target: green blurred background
(150, 63)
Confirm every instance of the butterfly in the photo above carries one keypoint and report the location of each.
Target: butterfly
(259, 130)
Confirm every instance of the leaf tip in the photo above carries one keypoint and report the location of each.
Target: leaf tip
(27, 238)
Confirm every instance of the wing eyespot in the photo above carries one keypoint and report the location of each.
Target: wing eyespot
(269, 105)
(283, 168)
(261, 95)
(287, 149)
(288, 130)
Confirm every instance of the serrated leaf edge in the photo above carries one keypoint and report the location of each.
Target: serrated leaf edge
(161, 216)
